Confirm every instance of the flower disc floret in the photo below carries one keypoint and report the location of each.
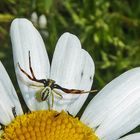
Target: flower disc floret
(47, 125)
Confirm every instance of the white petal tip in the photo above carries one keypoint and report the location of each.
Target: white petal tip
(19, 22)
(69, 35)
(16, 20)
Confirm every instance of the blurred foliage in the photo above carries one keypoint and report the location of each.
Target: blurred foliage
(108, 30)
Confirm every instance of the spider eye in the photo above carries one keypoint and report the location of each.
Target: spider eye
(44, 81)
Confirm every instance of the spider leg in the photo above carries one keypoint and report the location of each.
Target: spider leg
(73, 91)
(30, 66)
(49, 106)
(36, 85)
(26, 73)
(57, 93)
(90, 91)
(33, 85)
(52, 98)
(33, 78)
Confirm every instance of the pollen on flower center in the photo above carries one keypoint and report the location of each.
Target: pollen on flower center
(47, 125)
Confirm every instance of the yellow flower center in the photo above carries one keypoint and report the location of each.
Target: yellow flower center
(47, 125)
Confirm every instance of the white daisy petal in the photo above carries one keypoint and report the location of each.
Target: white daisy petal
(85, 83)
(135, 136)
(123, 118)
(110, 97)
(26, 38)
(9, 99)
(68, 70)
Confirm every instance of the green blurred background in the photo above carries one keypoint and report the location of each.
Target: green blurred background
(108, 30)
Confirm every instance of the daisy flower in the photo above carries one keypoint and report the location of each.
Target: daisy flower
(112, 113)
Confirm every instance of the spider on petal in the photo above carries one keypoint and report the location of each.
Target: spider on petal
(48, 86)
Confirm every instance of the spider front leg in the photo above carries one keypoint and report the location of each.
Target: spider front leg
(24, 72)
(30, 66)
(32, 77)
